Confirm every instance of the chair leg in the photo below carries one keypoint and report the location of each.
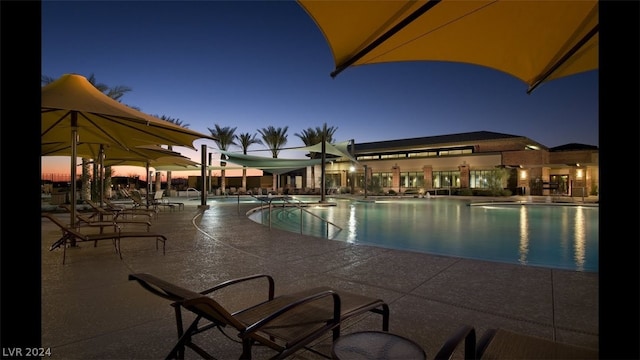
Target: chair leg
(246, 349)
(178, 350)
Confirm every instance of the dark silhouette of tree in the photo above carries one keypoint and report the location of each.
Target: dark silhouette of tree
(225, 136)
(247, 140)
(313, 136)
(275, 139)
(177, 122)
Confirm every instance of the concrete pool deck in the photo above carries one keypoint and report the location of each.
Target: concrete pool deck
(91, 311)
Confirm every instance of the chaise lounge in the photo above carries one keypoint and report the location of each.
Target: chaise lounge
(71, 236)
(285, 323)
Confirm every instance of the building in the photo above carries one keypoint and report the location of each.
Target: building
(451, 163)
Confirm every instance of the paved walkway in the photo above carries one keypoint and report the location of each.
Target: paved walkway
(91, 311)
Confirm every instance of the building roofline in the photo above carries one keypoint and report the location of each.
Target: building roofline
(439, 140)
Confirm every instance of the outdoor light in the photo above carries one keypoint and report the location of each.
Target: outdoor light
(352, 168)
(579, 173)
(523, 175)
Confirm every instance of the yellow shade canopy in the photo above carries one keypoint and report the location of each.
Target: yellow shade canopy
(158, 163)
(534, 41)
(73, 111)
(72, 102)
(93, 151)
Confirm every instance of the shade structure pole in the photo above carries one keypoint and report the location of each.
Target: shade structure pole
(203, 170)
(323, 154)
(74, 150)
(148, 184)
(102, 176)
(210, 177)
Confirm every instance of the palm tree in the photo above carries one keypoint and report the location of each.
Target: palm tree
(310, 137)
(170, 147)
(275, 139)
(313, 136)
(247, 140)
(114, 92)
(225, 136)
(327, 136)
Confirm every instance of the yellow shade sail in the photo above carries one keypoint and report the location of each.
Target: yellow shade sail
(534, 41)
(72, 103)
(73, 111)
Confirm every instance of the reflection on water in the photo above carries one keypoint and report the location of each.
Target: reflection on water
(580, 238)
(524, 235)
(352, 230)
(546, 235)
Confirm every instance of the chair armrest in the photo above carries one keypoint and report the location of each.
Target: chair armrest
(484, 341)
(466, 333)
(163, 288)
(241, 280)
(273, 316)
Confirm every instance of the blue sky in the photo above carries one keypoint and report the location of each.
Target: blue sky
(252, 64)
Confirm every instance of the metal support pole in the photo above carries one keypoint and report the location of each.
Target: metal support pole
(323, 170)
(203, 174)
(74, 154)
(210, 181)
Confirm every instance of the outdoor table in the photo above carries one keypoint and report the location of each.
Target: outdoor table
(376, 345)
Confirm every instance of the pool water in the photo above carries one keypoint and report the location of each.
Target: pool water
(547, 235)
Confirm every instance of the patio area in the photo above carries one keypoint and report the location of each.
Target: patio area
(90, 310)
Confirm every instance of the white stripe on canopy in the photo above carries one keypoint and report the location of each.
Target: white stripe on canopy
(261, 162)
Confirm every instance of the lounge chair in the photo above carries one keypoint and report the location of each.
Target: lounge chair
(83, 220)
(141, 203)
(115, 222)
(123, 211)
(159, 200)
(505, 344)
(72, 236)
(124, 193)
(285, 323)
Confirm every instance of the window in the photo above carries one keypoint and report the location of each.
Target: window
(446, 179)
(391, 156)
(386, 178)
(411, 179)
(332, 180)
(478, 179)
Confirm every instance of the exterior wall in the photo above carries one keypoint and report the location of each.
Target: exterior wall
(428, 176)
(573, 157)
(500, 145)
(464, 176)
(525, 157)
(531, 170)
(396, 177)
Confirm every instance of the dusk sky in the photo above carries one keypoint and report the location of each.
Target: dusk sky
(256, 64)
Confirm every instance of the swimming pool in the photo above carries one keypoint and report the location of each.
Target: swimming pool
(548, 235)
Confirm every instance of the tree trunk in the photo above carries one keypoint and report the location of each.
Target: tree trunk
(158, 181)
(107, 182)
(86, 183)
